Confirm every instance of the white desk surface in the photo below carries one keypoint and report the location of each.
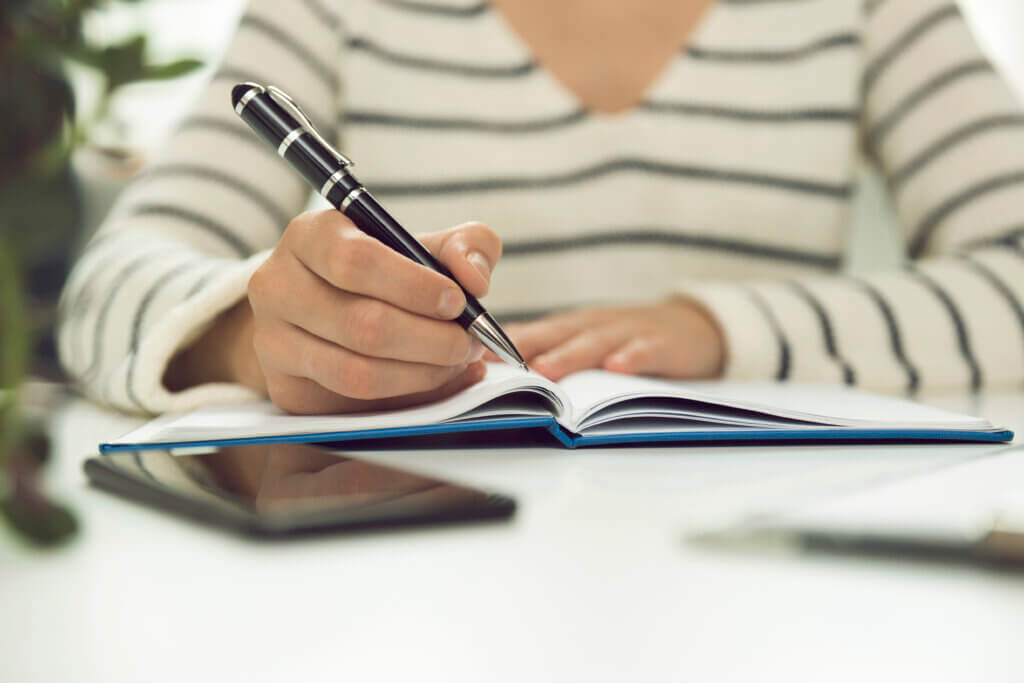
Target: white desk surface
(592, 581)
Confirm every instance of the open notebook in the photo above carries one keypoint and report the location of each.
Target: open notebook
(591, 408)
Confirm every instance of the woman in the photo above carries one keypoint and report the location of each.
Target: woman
(671, 181)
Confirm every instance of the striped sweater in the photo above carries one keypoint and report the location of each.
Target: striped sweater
(730, 182)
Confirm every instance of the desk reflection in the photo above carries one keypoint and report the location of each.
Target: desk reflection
(272, 474)
(286, 487)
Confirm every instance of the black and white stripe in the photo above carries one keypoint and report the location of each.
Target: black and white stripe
(785, 349)
(139, 319)
(277, 214)
(734, 171)
(902, 109)
(668, 237)
(616, 166)
(828, 336)
(924, 231)
(962, 135)
(839, 41)
(959, 327)
(198, 221)
(906, 40)
(895, 334)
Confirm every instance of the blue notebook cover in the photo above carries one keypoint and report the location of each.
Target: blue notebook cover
(589, 408)
(569, 440)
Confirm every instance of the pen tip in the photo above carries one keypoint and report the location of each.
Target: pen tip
(524, 368)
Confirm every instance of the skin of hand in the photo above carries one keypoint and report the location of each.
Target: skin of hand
(676, 338)
(338, 322)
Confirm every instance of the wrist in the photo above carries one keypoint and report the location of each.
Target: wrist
(707, 330)
(224, 353)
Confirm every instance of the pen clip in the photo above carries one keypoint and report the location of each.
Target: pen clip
(285, 101)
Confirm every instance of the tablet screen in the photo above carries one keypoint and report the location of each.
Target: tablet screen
(277, 488)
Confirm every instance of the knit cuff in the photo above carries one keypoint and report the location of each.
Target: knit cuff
(181, 326)
(751, 347)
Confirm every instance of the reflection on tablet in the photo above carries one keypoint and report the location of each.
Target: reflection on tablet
(279, 488)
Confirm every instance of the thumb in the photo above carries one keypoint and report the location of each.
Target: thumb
(471, 251)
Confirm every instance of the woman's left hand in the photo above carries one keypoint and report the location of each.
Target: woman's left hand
(675, 338)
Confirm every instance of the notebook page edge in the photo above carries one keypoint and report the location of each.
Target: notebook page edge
(263, 419)
(725, 394)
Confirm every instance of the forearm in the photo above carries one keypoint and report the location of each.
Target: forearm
(943, 324)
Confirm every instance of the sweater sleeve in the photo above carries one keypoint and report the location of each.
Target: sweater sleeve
(182, 241)
(948, 136)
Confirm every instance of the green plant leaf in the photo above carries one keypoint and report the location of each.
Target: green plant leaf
(171, 69)
(35, 105)
(47, 525)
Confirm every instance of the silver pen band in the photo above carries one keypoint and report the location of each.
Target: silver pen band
(331, 182)
(288, 140)
(253, 92)
(350, 197)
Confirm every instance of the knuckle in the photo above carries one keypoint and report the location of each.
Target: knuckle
(368, 325)
(349, 257)
(268, 282)
(262, 343)
(288, 398)
(425, 287)
(358, 379)
(282, 398)
(259, 283)
(297, 227)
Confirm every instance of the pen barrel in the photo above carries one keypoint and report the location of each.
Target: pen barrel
(295, 144)
(329, 175)
(373, 219)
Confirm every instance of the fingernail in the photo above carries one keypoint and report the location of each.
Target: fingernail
(451, 303)
(480, 263)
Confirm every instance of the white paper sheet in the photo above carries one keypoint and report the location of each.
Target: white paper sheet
(575, 400)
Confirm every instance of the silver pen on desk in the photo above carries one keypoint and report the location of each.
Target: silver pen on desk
(276, 118)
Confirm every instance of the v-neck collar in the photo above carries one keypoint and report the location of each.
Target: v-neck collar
(556, 84)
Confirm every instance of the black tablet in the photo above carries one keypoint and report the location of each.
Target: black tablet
(283, 489)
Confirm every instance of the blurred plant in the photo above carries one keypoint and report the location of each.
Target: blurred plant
(39, 214)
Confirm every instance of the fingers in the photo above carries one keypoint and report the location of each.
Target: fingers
(290, 350)
(307, 375)
(471, 251)
(329, 245)
(342, 322)
(534, 338)
(585, 350)
(646, 356)
(374, 328)
(367, 326)
(303, 396)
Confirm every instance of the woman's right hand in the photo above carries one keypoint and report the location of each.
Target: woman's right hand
(338, 322)
(342, 323)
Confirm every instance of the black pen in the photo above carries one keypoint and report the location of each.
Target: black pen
(281, 122)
